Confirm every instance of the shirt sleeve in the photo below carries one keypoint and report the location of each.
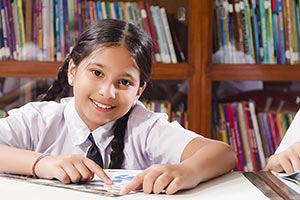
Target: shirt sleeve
(16, 128)
(292, 135)
(167, 141)
(25, 125)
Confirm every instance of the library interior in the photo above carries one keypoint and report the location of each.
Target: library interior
(228, 70)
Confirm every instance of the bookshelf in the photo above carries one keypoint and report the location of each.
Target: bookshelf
(267, 102)
(198, 70)
(198, 21)
(237, 72)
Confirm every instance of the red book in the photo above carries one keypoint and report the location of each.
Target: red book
(153, 33)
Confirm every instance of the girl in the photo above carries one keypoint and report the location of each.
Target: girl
(108, 69)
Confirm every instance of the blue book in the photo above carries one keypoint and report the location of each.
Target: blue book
(116, 9)
(281, 42)
(99, 11)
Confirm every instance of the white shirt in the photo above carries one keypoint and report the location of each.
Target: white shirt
(292, 135)
(56, 128)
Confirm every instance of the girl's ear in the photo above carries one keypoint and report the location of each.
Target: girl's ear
(140, 91)
(71, 72)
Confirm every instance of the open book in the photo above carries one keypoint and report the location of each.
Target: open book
(120, 179)
(292, 180)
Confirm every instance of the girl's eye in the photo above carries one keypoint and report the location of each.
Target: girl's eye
(96, 73)
(125, 82)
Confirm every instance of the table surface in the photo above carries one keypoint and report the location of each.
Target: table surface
(233, 185)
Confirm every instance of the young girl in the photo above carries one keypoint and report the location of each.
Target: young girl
(287, 156)
(108, 69)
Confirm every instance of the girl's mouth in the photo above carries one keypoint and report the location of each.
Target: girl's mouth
(102, 107)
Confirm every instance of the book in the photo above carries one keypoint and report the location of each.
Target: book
(162, 40)
(157, 54)
(168, 34)
(272, 185)
(119, 177)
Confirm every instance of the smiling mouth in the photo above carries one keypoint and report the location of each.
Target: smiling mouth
(102, 106)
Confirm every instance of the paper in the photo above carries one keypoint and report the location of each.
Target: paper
(120, 179)
(294, 177)
(292, 180)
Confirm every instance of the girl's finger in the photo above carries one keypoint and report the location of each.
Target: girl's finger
(62, 176)
(161, 183)
(85, 172)
(91, 165)
(135, 184)
(72, 172)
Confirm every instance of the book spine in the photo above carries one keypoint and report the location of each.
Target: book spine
(168, 35)
(257, 132)
(21, 24)
(244, 127)
(57, 30)
(269, 32)
(162, 41)
(5, 46)
(295, 55)
(10, 28)
(157, 55)
(255, 28)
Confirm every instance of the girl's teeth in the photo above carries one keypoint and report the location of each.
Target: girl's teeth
(102, 106)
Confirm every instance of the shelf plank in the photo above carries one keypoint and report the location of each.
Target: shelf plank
(254, 72)
(44, 69)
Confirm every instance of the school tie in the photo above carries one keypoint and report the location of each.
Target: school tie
(94, 152)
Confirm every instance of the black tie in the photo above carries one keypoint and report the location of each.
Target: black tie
(94, 153)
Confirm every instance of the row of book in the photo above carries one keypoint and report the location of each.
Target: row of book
(254, 136)
(165, 107)
(48, 29)
(257, 31)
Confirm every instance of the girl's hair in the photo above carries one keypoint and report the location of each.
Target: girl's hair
(102, 34)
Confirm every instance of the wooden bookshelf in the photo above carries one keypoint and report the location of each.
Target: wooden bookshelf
(199, 70)
(254, 72)
(20, 69)
(199, 39)
(232, 72)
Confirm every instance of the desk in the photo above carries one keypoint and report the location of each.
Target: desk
(231, 186)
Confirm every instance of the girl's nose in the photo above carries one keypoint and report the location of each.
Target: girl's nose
(107, 90)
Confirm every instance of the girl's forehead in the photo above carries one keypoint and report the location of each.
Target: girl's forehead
(110, 55)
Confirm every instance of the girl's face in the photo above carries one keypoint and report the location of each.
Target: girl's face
(106, 85)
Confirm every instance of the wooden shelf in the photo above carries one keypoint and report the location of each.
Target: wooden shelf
(35, 69)
(254, 72)
(196, 33)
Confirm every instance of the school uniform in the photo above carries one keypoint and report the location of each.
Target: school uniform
(292, 135)
(56, 129)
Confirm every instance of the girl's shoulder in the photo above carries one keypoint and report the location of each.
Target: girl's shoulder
(141, 114)
(41, 108)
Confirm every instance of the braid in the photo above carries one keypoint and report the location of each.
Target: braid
(117, 144)
(60, 87)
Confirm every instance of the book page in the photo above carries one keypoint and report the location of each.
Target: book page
(292, 180)
(120, 179)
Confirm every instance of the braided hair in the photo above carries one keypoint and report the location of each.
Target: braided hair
(102, 34)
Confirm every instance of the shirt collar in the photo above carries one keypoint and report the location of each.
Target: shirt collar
(79, 132)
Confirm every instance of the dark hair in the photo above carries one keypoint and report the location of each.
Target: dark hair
(108, 33)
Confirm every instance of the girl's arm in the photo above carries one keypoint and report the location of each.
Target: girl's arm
(287, 161)
(208, 158)
(66, 168)
(202, 159)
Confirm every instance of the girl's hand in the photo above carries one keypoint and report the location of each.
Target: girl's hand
(162, 177)
(287, 161)
(69, 169)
